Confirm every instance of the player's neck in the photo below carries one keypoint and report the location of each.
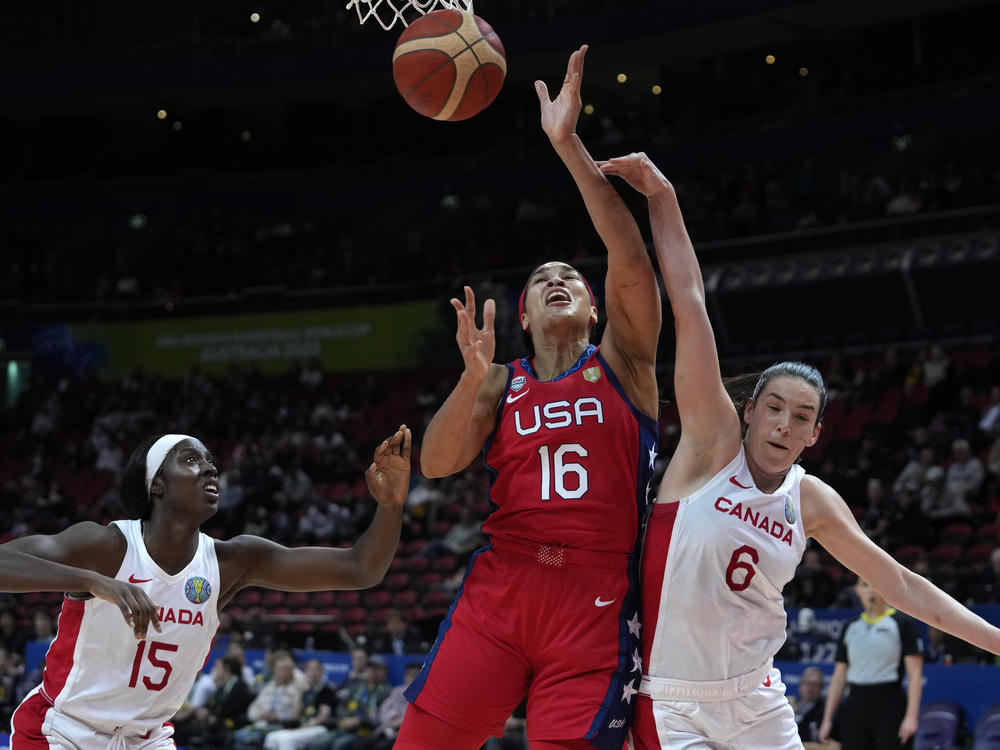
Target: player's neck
(171, 545)
(552, 358)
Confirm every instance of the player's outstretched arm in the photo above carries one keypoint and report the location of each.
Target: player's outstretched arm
(253, 561)
(710, 432)
(828, 519)
(460, 426)
(632, 299)
(21, 572)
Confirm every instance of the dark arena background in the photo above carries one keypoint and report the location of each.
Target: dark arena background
(221, 218)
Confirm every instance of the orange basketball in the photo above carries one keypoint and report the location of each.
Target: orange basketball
(449, 65)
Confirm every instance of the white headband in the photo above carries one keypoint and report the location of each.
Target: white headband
(157, 452)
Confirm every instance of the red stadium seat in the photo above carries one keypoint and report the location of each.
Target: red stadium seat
(376, 599)
(271, 599)
(906, 554)
(296, 599)
(956, 533)
(405, 598)
(945, 553)
(348, 598)
(397, 581)
(353, 615)
(979, 553)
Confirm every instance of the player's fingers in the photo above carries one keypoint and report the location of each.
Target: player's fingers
(470, 300)
(543, 92)
(138, 614)
(126, 610)
(405, 441)
(489, 314)
(580, 55)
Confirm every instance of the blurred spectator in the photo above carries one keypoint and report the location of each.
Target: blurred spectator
(809, 704)
(514, 735)
(936, 649)
(811, 586)
(318, 702)
(461, 540)
(398, 637)
(423, 501)
(390, 713)
(43, 626)
(212, 723)
(915, 471)
(276, 706)
(965, 473)
(993, 459)
(357, 714)
(875, 521)
(10, 676)
(989, 423)
(936, 502)
(906, 521)
(983, 586)
(356, 674)
(11, 636)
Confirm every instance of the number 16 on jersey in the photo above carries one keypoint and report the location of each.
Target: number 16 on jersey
(555, 469)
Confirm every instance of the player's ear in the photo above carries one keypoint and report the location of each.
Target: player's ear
(156, 488)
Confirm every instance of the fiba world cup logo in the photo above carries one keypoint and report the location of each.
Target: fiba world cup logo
(197, 590)
(789, 509)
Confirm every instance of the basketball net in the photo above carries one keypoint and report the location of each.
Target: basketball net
(387, 12)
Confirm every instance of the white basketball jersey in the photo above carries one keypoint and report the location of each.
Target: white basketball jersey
(97, 672)
(713, 568)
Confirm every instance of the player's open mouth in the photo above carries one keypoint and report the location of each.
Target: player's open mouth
(776, 445)
(557, 295)
(211, 488)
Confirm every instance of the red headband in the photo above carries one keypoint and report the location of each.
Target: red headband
(520, 302)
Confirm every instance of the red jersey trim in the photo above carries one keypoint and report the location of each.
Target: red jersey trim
(59, 658)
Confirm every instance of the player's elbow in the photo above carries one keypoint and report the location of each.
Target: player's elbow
(434, 466)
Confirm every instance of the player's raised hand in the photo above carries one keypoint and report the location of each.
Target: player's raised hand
(388, 476)
(478, 345)
(559, 115)
(135, 605)
(637, 170)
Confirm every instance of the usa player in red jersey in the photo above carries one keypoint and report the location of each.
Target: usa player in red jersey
(729, 526)
(102, 689)
(548, 610)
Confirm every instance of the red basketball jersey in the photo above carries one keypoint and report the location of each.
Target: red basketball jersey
(570, 459)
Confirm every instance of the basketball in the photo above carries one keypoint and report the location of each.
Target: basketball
(449, 65)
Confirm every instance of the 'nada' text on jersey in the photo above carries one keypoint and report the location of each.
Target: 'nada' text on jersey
(181, 616)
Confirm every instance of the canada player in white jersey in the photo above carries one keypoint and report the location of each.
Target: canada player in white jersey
(102, 688)
(729, 525)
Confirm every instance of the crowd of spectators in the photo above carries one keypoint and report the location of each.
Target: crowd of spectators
(911, 439)
(464, 228)
(750, 156)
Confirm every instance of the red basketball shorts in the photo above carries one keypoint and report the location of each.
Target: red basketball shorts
(557, 625)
